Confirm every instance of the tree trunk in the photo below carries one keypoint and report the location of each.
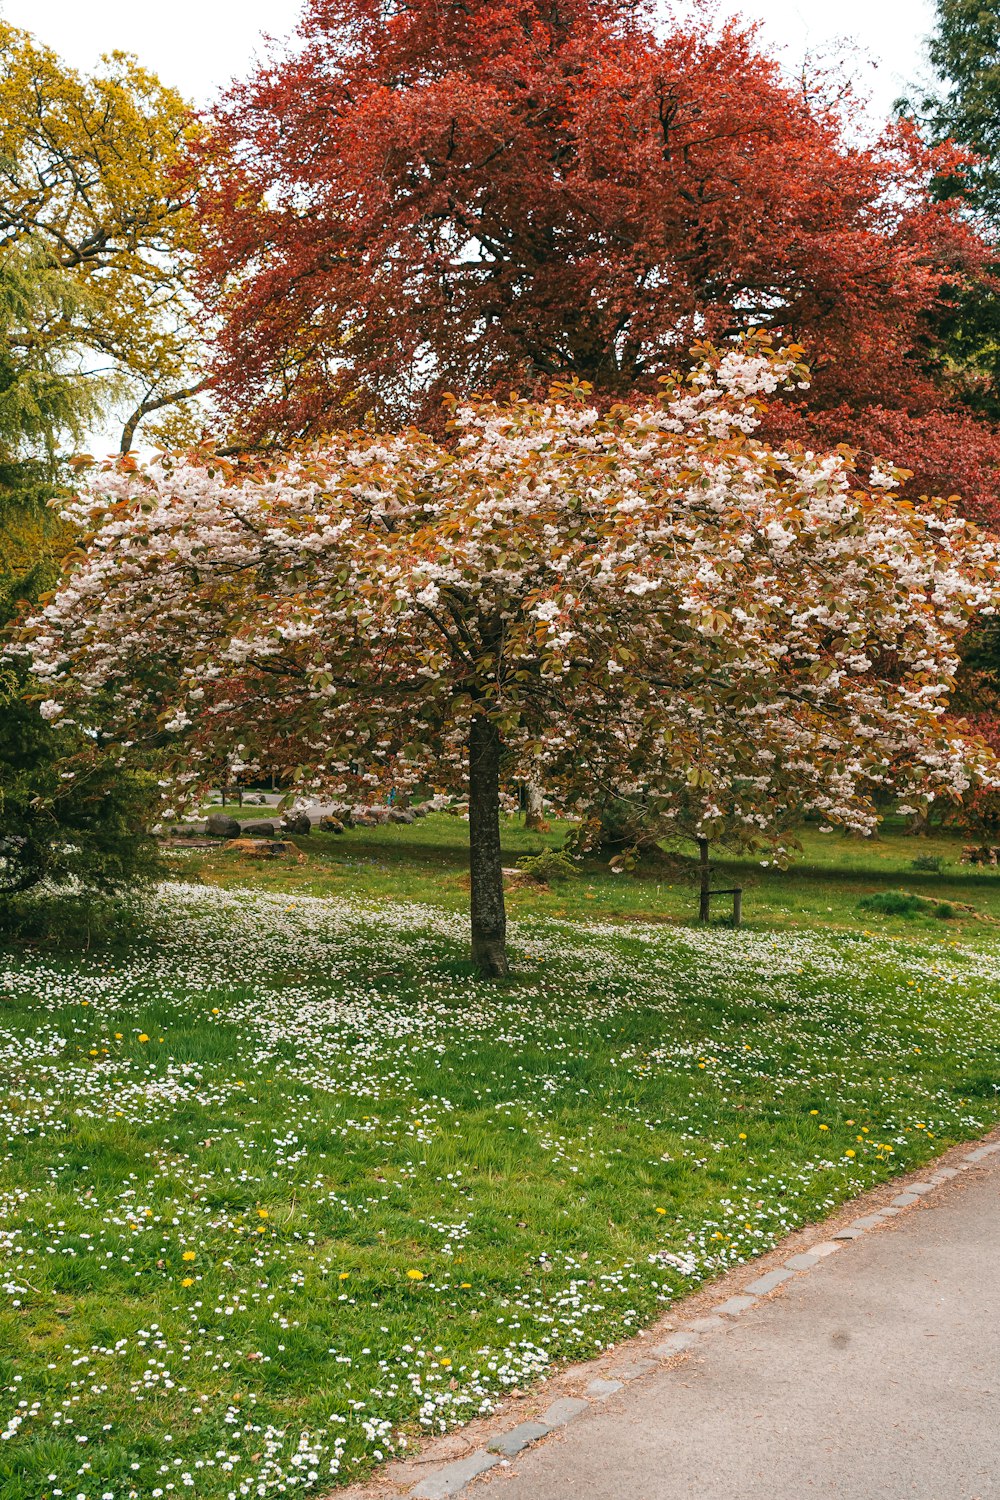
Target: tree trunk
(704, 904)
(534, 808)
(489, 919)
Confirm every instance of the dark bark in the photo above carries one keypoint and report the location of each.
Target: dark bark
(489, 919)
(704, 904)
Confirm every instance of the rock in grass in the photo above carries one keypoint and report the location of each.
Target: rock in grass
(259, 830)
(298, 823)
(222, 826)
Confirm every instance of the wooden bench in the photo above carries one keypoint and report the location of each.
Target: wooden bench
(736, 891)
(706, 893)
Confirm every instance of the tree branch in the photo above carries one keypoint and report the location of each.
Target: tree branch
(157, 403)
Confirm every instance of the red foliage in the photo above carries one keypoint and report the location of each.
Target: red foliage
(978, 813)
(949, 452)
(478, 194)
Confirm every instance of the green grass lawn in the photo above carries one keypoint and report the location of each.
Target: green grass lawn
(284, 1186)
(821, 888)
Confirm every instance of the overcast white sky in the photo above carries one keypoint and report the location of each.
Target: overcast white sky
(199, 45)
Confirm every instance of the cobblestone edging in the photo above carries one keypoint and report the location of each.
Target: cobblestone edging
(450, 1479)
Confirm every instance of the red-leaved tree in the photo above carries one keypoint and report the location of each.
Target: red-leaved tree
(474, 195)
(949, 450)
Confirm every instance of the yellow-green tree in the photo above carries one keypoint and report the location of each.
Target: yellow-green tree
(93, 187)
(67, 810)
(96, 316)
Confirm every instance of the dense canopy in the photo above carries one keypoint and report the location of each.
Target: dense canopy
(647, 600)
(480, 196)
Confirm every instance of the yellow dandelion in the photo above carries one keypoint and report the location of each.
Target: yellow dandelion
(661, 1210)
(415, 1275)
(187, 1281)
(343, 1275)
(850, 1152)
(188, 1255)
(143, 1037)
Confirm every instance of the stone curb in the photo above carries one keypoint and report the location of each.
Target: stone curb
(452, 1479)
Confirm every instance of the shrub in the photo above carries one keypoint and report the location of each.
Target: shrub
(895, 904)
(549, 865)
(70, 814)
(932, 863)
(68, 917)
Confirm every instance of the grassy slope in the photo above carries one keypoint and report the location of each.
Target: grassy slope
(227, 1148)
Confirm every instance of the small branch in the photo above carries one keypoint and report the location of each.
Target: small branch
(157, 403)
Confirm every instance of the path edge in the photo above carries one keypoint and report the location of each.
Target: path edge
(447, 1465)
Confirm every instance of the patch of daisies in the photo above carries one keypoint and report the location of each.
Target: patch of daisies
(254, 1169)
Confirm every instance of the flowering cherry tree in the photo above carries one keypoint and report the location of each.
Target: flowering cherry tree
(643, 597)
